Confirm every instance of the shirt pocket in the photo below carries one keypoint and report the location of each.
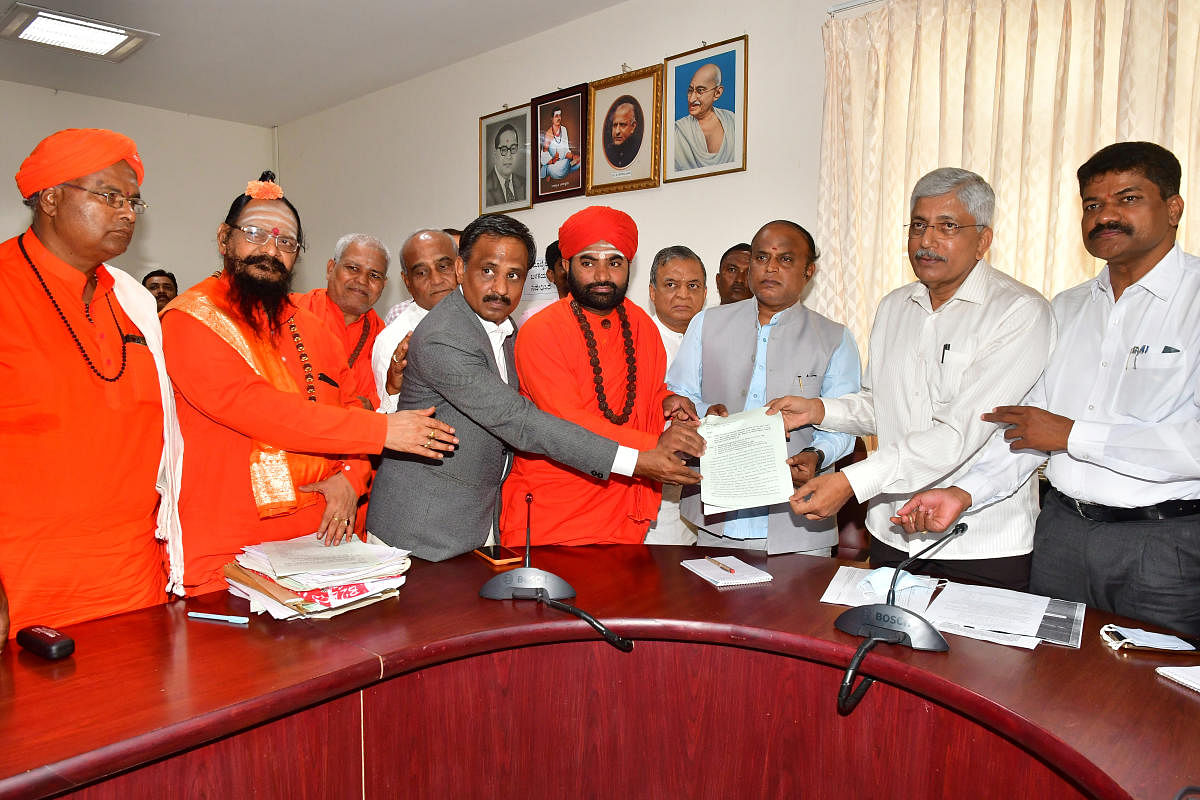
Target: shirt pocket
(1151, 385)
(948, 375)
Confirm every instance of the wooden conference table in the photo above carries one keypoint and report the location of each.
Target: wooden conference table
(439, 693)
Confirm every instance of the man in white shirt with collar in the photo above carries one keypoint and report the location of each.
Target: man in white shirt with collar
(678, 289)
(1116, 411)
(963, 338)
(427, 265)
(461, 361)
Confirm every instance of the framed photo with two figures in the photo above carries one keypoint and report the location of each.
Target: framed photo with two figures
(504, 161)
(560, 143)
(704, 117)
(625, 124)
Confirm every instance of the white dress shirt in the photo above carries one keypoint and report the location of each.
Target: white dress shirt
(385, 345)
(668, 527)
(671, 339)
(1136, 437)
(929, 377)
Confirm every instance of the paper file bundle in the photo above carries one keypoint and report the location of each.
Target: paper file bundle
(303, 578)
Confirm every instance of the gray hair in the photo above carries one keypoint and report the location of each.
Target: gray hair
(364, 239)
(670, 254)
(414, 235)
(972, 191)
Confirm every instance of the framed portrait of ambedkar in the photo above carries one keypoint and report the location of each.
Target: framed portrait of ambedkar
(504, 160)
(625, 123)
(704, 111)
(560, 139)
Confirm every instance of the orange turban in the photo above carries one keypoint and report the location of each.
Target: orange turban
(598, 224)
(73, 153)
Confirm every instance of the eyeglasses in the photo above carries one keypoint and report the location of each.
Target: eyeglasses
(944, 230)
(286, 244)
(700, 91)
(508, 149)
(115, 199)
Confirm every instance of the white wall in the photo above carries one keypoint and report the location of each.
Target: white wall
(194, 168)
(406, 157)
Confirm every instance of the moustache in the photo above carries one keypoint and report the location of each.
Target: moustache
(928, 254)
(600, 285)
(265, 260)
(497, 298)
(1109, 226)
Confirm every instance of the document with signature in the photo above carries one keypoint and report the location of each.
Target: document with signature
(745, 461)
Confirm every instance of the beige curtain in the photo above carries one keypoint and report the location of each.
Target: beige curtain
(1021, 92)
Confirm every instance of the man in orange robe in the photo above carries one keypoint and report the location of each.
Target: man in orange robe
(595, 359)
(357, 274)
(86, 445)
(276, 437)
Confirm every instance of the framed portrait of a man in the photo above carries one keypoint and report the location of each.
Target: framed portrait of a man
(704, 118)
(560, 137)
(625, 126)
(504, 160)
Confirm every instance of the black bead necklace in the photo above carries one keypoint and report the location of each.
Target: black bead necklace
(598, 374)
(70, 330)
(310, 387)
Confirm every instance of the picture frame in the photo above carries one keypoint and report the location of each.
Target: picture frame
(504, 183)
(687, 130)
(559, 147)
(625, 124)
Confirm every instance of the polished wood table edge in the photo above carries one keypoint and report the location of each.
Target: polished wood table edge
(107, 761)
(1027, 734)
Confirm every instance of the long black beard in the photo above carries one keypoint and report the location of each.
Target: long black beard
(260, 302)
(583, 294)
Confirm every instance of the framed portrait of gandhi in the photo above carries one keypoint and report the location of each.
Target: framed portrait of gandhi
(625, 126)
(704, 111)
(504, 160)
(560, 142)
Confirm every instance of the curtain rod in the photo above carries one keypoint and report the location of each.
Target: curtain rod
(850, 5)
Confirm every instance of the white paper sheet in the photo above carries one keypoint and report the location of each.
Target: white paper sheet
(745, 461)
(988, 608)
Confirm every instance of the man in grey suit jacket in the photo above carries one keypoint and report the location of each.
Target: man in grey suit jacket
(460, 360)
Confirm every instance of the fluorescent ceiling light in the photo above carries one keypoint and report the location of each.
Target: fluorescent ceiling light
(71, 32)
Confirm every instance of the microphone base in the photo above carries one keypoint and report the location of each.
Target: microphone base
(892, 624)
(526, 583)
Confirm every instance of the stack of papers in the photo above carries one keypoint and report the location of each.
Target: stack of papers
(1002, 616)
(304, 578)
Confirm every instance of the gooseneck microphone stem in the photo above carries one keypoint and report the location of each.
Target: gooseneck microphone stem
(528, 523)
(527, 583)
(955, 531)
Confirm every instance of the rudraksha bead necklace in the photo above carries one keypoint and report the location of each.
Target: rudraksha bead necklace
(70, 330)
(598, 374)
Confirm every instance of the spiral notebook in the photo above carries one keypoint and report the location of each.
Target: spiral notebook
(738, 572)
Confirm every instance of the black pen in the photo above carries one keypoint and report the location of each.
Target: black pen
(945, 349)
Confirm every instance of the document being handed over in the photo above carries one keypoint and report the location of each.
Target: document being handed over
(745, 461)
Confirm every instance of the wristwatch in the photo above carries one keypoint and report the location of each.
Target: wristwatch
(820, 455)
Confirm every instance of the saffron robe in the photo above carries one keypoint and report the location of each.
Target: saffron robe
(570, 507)
(225, 406)
(79, 456)
(317, 301)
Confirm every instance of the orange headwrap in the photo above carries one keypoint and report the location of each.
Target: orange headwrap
(73, 153)
(598, 224)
